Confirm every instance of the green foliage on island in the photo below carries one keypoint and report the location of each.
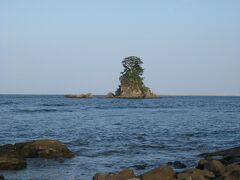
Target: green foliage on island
(132, 76)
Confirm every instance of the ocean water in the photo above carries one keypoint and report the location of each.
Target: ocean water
(111, 134)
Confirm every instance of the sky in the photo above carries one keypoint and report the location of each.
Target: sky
(73, 46)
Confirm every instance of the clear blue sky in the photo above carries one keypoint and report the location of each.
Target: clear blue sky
(74, 46)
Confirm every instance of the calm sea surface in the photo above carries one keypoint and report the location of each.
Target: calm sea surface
(112, 134)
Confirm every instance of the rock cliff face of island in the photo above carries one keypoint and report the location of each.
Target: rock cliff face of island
(131, 81)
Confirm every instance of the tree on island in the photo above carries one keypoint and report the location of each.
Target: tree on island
(131, 80)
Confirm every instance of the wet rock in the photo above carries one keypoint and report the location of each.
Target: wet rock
(11, 161)
(49, 149)
(227, 152)
(140, 166)
(162, 172)
(88, 95)
(196, 173)
(216, 167)
(202, 163)
(179, 165)
(231, 155)
(123, 175)
(234, 175)
(1, 177)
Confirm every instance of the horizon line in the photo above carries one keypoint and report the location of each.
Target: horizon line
(61, 94)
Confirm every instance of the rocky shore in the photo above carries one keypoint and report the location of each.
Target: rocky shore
(220, 165)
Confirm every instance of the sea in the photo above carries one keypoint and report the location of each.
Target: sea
(108, 135)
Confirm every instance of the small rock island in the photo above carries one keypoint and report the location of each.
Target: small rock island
(131, 81)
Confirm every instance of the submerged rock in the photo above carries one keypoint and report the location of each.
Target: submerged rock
(88, 95)
(123, 175)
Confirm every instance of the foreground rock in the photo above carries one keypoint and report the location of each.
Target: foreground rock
(123, 175)
(11, 161)
(207, 169)
(49, 149)
(12, 157)
(162, 172)
(88, 95)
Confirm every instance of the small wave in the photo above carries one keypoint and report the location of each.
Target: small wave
(54, 105)
(106, 153)
(35, 110)
(8, 103)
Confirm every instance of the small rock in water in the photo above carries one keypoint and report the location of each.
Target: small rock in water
(179, 165)
(140, 166)
(12, 157)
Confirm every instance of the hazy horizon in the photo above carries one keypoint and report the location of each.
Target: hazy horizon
(58, 47)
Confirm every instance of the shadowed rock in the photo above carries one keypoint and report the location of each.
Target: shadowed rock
(11, 161)
(229, 156)
(1, 177)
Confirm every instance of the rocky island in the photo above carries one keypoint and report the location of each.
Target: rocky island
(131, 81)
(87, 95)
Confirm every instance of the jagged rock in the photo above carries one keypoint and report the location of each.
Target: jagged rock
(129, 92)
(123, 175)
(48, 149)
(88, 95)
(131, 80)
(162, 172)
